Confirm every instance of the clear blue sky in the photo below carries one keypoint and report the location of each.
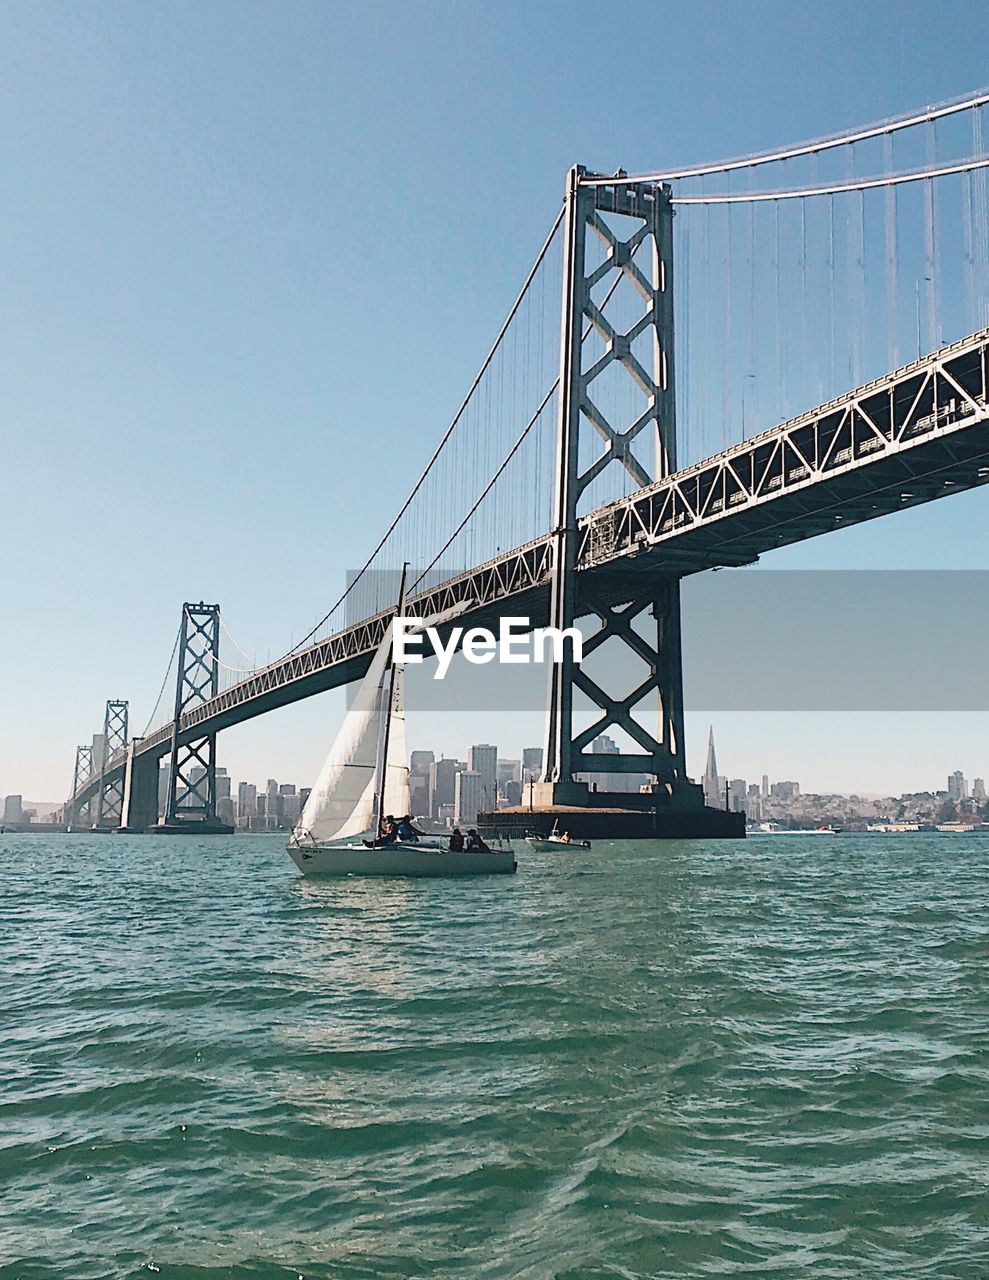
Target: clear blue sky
(237, 238)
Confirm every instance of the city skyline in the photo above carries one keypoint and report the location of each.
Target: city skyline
(452, 788)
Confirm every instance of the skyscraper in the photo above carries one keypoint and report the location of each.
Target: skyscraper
(469, 797)
(224, 802)
(483, 760)
(712, 784)
(442, 784)
(247, 804)
(532, 763)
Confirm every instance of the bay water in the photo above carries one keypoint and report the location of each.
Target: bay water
(755, 1058)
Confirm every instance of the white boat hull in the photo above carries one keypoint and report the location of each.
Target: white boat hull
(547, 846)
(418, 860)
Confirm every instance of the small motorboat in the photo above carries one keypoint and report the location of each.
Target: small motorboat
(555, 840)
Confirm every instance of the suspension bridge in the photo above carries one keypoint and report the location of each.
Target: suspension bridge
(748, 354)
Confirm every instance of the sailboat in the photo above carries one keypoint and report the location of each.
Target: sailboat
(365, 777)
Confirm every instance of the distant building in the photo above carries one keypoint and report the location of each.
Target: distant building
(785, 790)
(612, 780)
(420, 761)
(957, 786)
(508, 771)
(224, 802)
(419, 795)
(532, 763)
(513, 792)
(737, 789)
(979, 790)
(442, 785)
(13, 809)
(247, 805)
(469, 797)
(714, 797)
(765, 784)
(483, 759)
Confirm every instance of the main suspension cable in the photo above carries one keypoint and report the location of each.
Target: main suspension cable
(936, 112)
(439, 448)
(168, 672)
(838, 188)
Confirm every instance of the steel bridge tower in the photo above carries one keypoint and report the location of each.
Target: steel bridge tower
(80, 814)
(633, 224)
(192, 772)
(110, 796)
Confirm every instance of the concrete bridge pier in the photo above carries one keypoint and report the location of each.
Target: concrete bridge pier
(140, 806)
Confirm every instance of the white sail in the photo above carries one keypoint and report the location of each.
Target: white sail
(341, 803)
(396, 801)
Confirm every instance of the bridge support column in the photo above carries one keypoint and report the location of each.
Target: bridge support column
(645, 708)
(192, 776)
(634, 225)
(110, 796)
(80, 814)
(140, 807)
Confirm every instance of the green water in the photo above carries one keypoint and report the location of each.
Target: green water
(767, 1058)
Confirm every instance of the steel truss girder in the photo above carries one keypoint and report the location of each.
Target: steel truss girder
(110, 796)
(192, 775)
(919, 458)
(834, 446)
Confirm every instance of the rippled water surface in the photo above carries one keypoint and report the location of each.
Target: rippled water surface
(767, 1058)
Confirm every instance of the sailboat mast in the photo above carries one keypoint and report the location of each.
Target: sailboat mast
(387, 710)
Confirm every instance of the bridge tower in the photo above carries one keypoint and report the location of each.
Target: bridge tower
(192, 774)
(638, 613)
(80, 814)
(110, 796)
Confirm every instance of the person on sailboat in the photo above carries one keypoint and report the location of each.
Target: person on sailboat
(387, 835)
(475, 844)
(406, 831)
(456, 840)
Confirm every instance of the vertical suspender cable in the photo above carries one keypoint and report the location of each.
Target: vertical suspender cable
(749, 382)
(980, 228)
(781, 383)
(726, 363)
(930, 244)
(891, 255)
(831, 300)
